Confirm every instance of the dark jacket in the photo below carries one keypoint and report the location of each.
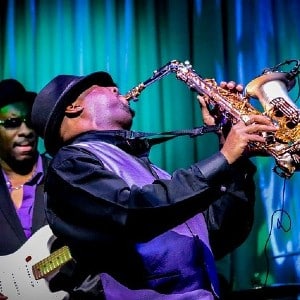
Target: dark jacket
(111, 226)
(12, 236)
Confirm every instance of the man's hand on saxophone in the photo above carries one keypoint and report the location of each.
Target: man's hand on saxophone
(234, 139)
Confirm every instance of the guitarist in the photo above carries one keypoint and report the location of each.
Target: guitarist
(22, 169)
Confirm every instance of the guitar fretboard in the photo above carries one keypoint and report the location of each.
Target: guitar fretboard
(51, 263)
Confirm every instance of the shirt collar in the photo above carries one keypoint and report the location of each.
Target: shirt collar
(39, 171)
(38, 174)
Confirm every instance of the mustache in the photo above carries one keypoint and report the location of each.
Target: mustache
(25, 142)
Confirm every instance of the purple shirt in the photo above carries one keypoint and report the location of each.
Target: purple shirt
(25, 211)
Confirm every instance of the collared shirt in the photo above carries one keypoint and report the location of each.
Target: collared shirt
(25, 211)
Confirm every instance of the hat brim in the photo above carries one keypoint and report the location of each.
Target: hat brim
(13, 91)
(51, 138)
(30, 96)
(27, 97)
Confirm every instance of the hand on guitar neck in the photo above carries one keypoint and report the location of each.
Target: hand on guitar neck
(25, 273)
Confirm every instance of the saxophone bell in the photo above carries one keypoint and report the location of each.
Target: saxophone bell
(271, 89)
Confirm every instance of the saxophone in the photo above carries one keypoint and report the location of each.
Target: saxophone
(270, 88)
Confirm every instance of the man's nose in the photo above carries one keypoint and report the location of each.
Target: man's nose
(24, 127)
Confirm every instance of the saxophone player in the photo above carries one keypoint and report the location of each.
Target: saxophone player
(136, 231)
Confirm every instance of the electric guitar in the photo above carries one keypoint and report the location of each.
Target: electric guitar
(24, 273)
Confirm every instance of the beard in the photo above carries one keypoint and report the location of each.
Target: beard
(129, 110)
(23, 166)
(126, 124)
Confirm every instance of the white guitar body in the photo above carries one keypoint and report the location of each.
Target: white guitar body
(16, 276)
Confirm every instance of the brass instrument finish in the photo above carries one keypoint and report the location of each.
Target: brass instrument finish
(270, 89)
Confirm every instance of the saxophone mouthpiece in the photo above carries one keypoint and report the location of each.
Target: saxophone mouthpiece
(134, 93)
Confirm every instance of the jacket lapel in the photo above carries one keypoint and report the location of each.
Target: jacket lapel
(8, 210)
(39, 215)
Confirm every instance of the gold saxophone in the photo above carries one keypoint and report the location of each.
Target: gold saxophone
(270, 89)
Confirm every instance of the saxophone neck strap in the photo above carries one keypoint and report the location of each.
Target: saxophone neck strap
(157, 138)
(139, 143)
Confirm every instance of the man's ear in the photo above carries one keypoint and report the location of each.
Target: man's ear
(73, 110)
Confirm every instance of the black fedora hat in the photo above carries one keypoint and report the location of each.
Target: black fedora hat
(49, 105)
(11, 91)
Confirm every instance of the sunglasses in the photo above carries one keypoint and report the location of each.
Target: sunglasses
(13, 123)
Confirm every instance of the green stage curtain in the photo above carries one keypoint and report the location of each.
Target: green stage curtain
(225, 40)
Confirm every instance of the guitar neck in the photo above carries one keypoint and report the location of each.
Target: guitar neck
(51, 263)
